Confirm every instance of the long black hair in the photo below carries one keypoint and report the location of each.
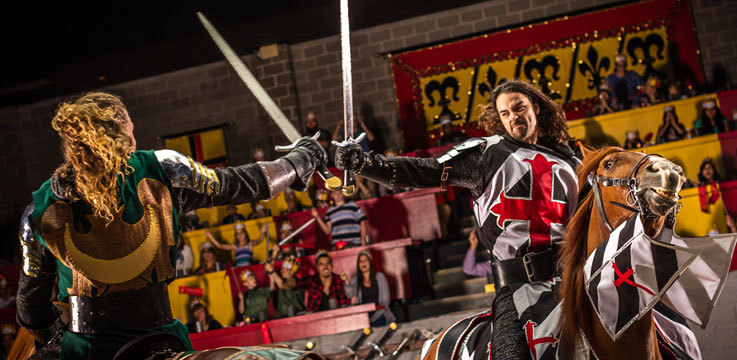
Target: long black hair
(359, 273)
(702, 179)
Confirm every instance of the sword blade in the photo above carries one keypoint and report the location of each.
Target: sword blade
(258, 91)
(296, 232)
(345, 56)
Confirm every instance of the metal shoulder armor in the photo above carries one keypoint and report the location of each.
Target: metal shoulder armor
(459, 148)
(32, 248)
(184, 172)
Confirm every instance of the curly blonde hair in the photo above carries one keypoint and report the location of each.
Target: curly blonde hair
(96, 148)
(551, 121)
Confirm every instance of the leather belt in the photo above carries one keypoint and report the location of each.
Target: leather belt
(532, 267)
(143, 308)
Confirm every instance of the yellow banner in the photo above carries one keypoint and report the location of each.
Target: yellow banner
(570, 75)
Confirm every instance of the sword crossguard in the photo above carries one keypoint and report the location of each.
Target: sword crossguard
(349, 141)
(377, 348)
(290, 147)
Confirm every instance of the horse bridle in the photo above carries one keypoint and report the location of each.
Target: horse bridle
(633, 203)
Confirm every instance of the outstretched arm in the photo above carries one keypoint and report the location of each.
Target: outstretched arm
(217, 244)
(36, 313)
(262, 235)
(462, 164)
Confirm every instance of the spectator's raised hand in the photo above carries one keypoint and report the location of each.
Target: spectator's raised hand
(344, 277)
(264, 227)
(269, 267)
(314, 213)
(473, 240)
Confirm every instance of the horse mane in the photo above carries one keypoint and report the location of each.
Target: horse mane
(572, 257)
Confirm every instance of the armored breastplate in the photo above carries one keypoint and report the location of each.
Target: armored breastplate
(118, 256)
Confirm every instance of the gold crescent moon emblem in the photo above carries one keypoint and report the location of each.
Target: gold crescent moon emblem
(116, 271)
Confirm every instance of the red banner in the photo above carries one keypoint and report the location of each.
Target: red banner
(567, 58)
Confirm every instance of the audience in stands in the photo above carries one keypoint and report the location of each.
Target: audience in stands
(325, 290)
(364, 192)
(289, 301)
(675, 92)
(208, 262)
(243, 246)
(345, 222)
(711, 119)
(259, 211)
(671, 129)
(632, 140)
(233, 215)
(322, 198)
(311, 127)
(201, 319)
(470, 266)
(623, 83)
(370, 286)
(192, 222)
(449, 135)
(185, 258)
(293, 247)
(606, 104)
(360, 129)
(253, 302)
(7, 295)
(293, 204)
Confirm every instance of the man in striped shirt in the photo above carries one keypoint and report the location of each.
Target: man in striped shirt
(345, 222)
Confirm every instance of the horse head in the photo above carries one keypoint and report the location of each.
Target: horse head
(621, 184)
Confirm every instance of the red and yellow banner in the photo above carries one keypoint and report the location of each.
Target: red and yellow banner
(567, 58)
(206, 146)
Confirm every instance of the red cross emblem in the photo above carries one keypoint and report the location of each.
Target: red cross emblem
(625, 278)
(531, 341)
(540, 209)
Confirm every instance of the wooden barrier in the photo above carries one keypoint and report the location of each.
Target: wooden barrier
(296, 327)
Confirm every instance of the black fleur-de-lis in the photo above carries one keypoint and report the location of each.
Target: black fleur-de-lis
(594, 67)
(546, 62)
(433, 86)
(645, 45)
(490, 83)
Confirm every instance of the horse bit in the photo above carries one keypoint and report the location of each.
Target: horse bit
(633, 203)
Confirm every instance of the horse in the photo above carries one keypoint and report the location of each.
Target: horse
(609, 178)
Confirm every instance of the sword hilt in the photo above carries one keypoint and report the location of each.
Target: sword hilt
(331, 181)
(349, 187)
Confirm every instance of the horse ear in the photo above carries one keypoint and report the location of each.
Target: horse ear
(586, 151)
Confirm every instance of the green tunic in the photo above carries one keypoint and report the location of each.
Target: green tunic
(137, 249)
(256, 301)
(287, 298)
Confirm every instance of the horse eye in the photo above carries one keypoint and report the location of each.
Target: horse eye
(608, 165)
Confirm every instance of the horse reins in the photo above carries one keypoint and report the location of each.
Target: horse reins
(633, 204)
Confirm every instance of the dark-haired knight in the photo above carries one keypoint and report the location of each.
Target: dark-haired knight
(524, 187)
(106, 223)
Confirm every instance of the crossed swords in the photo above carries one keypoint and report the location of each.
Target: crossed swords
(287, 128)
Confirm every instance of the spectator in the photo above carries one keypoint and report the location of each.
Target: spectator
(370, 286)
(632, 140)
(243, 246)
(671, 129)
(185, 258)
(649, 94)
(288, 301)
(7, 296)
(674, 92)
(192, 221)
(339, 136)
(470, 266)
(711, 120)
(346, 222)
(208, 262)
(259, 155)
(253, 303)
(233, 215)
(623, 83)
(318, 299)
(709, 191)
(605, 105)
(201, 319)
(311, 127)
(293, 204)
(291, 248)
(8, 333)
(322, 198)
(259, 211)
(450, 136)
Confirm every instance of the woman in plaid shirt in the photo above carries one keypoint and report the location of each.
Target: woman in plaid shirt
(324, 286)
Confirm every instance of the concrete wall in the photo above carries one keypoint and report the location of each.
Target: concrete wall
(304, 77)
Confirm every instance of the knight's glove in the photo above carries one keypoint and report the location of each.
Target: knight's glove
(294, 169)
(350, 157)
